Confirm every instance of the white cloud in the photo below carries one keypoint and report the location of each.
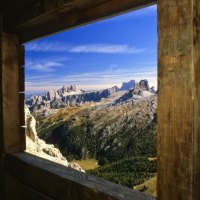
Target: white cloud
(91, 81)
(45, 67)
(87, 48)
(48, 64)
(105, 48)
(46, 46)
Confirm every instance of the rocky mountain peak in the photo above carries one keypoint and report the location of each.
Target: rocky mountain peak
(72, 89)
(133, 85)
(128, 85)
(72, 95)
(64, 89)
(51, 95)
(144, 85)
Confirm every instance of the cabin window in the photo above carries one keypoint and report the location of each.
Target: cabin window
(91, 98)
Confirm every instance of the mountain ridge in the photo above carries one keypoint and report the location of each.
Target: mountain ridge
(74, 96)
(117, 128)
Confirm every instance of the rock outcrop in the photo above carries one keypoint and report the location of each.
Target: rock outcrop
(73, 96)
(67, 96)
(39, 147)
(144, 85)
(136, 90)
(96, 96)
(128, 85)
(133, 85)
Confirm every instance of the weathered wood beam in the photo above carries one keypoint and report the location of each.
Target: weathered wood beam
(28, 13)
(2, 188)
(52, 17)
(59, 182)
(1, 98)
(16, 190)
(179, 100)
(196, 61)
(21, 89)
(12, 138)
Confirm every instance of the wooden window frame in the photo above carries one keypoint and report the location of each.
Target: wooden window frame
(178, 101)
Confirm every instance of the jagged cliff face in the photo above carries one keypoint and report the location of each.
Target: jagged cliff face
(73, 96)
(67, 96)
(128, 85)
(40, 148)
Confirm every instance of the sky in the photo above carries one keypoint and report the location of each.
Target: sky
(95, 56)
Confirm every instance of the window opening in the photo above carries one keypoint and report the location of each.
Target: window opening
(91, 98)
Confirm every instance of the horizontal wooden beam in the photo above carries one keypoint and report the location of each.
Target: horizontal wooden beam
(59, 182)
(50, 17)
(16, 190)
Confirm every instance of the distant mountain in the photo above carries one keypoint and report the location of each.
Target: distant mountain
(73, 96)
(133, 85)
(116, 127)
(67, 96)
(128, 85)
(109, 132)
(71, 90)
(144, 85)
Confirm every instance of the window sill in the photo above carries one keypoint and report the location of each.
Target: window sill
(59, 182)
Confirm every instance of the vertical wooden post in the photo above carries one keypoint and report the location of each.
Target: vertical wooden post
(12, 134)
(179, 100)
(2, 185)
(196, 61)
(10, 93)
(22, 97)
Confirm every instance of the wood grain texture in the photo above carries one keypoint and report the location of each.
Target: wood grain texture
(196, 56)
(21, 94)
(2, 189)
(21, 53)
(1, 99)
(16, 190)
(178, 105)
(58, 182)
(22, 122)
(12, 73)
(52, 17)
(178, 100)
(10, 96)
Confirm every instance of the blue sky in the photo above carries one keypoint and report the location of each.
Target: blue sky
(96, 56)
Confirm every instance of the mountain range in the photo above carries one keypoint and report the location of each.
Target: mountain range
(74, 96)
(115, 126)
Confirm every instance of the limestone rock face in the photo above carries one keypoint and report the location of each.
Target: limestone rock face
(68, 96)
(153, 90)
(71, 90)
(36, 100)
(128, 85)
(30, 124)
(144, 85)
(73, 96)
(39, 147)
(96, 96)
(52, 95)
